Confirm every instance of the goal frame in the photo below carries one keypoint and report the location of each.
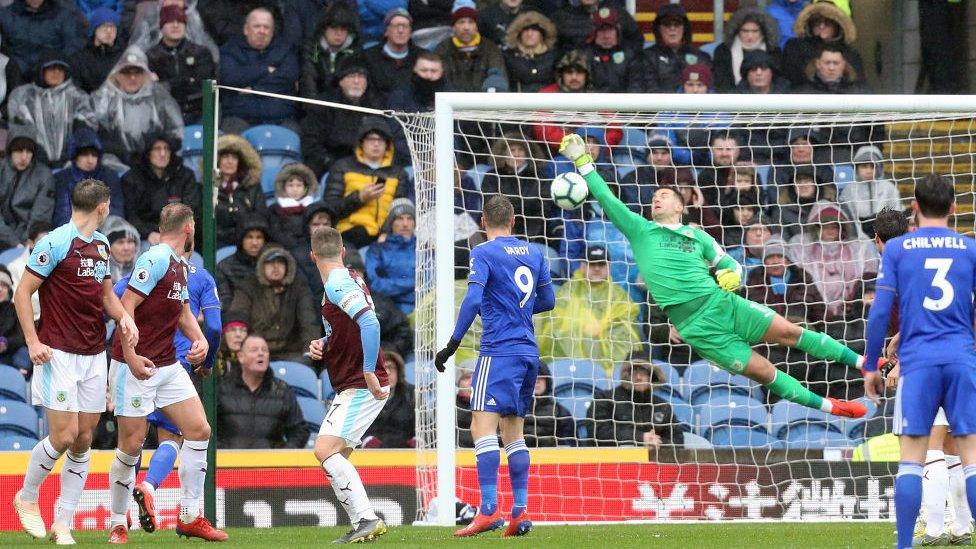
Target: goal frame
(447, 104)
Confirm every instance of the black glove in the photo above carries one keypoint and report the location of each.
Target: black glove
(447, 352)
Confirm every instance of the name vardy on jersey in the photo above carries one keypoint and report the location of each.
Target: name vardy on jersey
(517, 250)
(947, 242)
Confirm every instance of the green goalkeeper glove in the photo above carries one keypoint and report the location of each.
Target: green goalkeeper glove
(574, 148)
(728, 279)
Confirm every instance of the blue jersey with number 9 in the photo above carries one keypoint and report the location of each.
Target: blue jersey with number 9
(510, 270)
(933, 272)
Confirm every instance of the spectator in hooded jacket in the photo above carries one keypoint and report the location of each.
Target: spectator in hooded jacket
(181, 64)
(749, 30)
(94, 62)
(157, 179)
(613, 67)
(391, 62)
(53, 105)
(258, 410)
(295, 189)
(130, 106)
(395, 426)
(238, 187)
(574, 21)
(830, 72)
(672, 50)
(85, 153)
(759, 74)
(784, 287)
(870, 192)
(530, 56)
(236, 270)
(123, 247)
(262, 61)
(798, 197)
(336, 38)
(26, 188)
(147, 29)
(391, 261)
(278, 306)
(495, 20)
(329, 134)
(472, 63)
(548, 423)
(30, 27)
(819, 24)
(362, 186)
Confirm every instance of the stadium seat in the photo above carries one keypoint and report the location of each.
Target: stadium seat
(18, 418)
(328, 393)
(785, 414)
(709, 48)
(816, 435)
(843, 174)
(10, 254)
(738, 436)
(192, 151)
(13, 386)
(225, 252)
(313, 410)
(578, 372)
(477, 174)
(410, 371)
(702, 376)
(14, 443)
(576, 398)
(673, 377)
(728, 408)
(298, 376)
(763, 173)
(268, 139)
(696, 442)
(683, 411)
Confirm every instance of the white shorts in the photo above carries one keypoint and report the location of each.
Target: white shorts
(136, 398)
(940, 419)
(70, 383)
(351, 414)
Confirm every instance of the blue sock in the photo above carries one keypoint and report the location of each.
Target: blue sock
(161, 464)
(487, 457)
(969, 472)
(518, 473)
(908, 500)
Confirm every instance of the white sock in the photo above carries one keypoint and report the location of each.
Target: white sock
(193, 473)
(74, 474)
(342, 491)
(957, 494)
(346, 476)
(42, 460)
(935, 486)
(121, 478)
(826, 406)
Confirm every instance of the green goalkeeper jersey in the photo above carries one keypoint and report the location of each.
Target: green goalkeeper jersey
(675, 260)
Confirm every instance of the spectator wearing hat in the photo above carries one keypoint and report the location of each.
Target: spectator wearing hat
(530, 56)
(830, 72)
(180, 63)
(696, 79)
(613, 67)
(798, 197)
(361, 187)
(30, 27)
(147, 29)
(336, 38)
(372, 16)
(417, 95)
(318, 214)
(631, 414)
(232, 338)
(130, 106)
(123, 240)
(262, 61)
(548, 423)
(784, 287)
(237, 186)
(391, 261)
(574, 21)
(494, 21)
(472, 63)
(395, 426)
(53, 105)
(85, 153)
(26, 188)
(13, 349)
(94, 62)
(157, 179)
(755, 234)
(870, 192)
(391, 62)
(638, 187)
(238, 268)
(329, 134)
(278, 306)
(594, 317)
(672, 50)
(759, 74)
(818, 25)
(749, 30)
(296, 187)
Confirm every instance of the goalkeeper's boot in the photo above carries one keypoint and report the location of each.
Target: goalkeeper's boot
(119, 535)
(847, 408)
(481, 523)
(30, 517)
(368, 530)
(518, 526)
(143, 494)
(200, 528)
(931, 541)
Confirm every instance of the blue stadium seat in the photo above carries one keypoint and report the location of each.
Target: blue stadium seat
(702, 376)
(192, 151)
(313, 410)
(786, 414)
(268, 139)
(576, 398)
(729, 408)
(816, 435)
(738, 436)
(328, 393)
(683, 411)
(709, 48)
(477, 174)
(410, 371)
(13, 386)
(225, 252)
(673, 377)
(763, 173)
(14, 443)
(18, 418)
(298, 376)
(843, 174)
(578, 372)
(9, 255)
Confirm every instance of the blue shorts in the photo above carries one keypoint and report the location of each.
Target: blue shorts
(504, 384)
(921, 392)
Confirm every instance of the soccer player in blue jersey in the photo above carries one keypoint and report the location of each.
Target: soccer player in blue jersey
(205, 301)
(508, 283)
(932, 273)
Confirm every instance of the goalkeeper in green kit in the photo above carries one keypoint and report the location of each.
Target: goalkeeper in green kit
(675, 261)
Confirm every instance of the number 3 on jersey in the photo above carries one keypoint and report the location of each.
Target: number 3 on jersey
(525, 282)
(941, 268)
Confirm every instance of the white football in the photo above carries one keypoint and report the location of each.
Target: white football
(569, 190)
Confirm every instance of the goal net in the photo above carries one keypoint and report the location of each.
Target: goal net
(628, 422)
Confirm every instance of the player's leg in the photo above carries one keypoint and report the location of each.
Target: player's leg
(815, 344)
(160, 466)
(961, 531)
(512, 432)
(935, 484)
(960, 408)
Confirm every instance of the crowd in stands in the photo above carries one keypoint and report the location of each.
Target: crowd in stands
(108, 89)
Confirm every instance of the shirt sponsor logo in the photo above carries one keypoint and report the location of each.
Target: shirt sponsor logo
(177, 292)
(86, 267)
(350, 299)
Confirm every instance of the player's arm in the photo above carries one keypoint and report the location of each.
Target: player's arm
(141, 367)
(878, 321)
(115, 311)
(574, 148)
(29, 283)
(352, 300)
(545, 297)
(728, 271)
(190, 327)
(470, 307)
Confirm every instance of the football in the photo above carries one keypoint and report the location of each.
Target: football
(569, 190)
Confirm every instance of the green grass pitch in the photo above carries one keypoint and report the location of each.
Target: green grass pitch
(615, 536)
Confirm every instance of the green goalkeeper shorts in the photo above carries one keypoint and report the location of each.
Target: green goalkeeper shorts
(724, 329)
